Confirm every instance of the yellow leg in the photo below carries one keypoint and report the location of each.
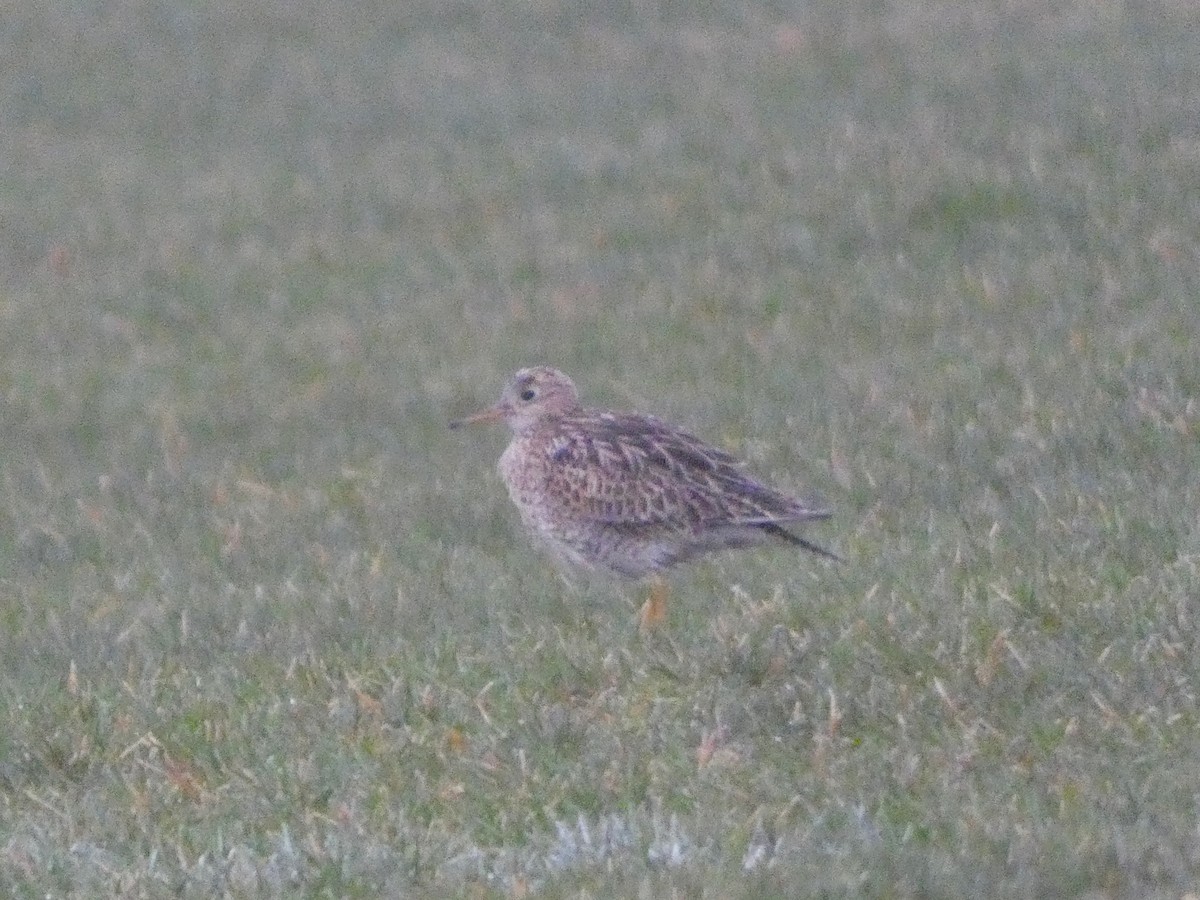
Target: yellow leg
(654, 611)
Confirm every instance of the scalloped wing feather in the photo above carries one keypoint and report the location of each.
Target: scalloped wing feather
(636, 471)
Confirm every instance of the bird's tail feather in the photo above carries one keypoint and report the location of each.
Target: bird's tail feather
(780, 532)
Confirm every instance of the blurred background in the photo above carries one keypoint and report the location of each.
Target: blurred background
(935, 261)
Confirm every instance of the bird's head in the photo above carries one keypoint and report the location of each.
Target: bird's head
(531, 397)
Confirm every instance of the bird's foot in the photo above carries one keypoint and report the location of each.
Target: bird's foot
(654, 611)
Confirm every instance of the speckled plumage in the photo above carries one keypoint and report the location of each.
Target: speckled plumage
(624, 493)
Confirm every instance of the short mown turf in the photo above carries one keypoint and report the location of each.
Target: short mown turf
(268, 628)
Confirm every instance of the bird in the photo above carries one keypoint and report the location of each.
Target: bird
(628, 494)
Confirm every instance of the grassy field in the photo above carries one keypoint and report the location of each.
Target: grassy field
(268, 628)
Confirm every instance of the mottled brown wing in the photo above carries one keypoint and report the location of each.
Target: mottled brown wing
(638, 472)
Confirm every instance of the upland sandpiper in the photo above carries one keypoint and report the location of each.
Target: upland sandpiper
(629, 494)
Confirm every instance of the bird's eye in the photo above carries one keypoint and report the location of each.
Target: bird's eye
(528, 394)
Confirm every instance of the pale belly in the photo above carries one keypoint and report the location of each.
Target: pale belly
(571, 537)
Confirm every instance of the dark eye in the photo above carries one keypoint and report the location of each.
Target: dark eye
(528, 394)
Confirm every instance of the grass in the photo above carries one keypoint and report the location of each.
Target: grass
(268, 628)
